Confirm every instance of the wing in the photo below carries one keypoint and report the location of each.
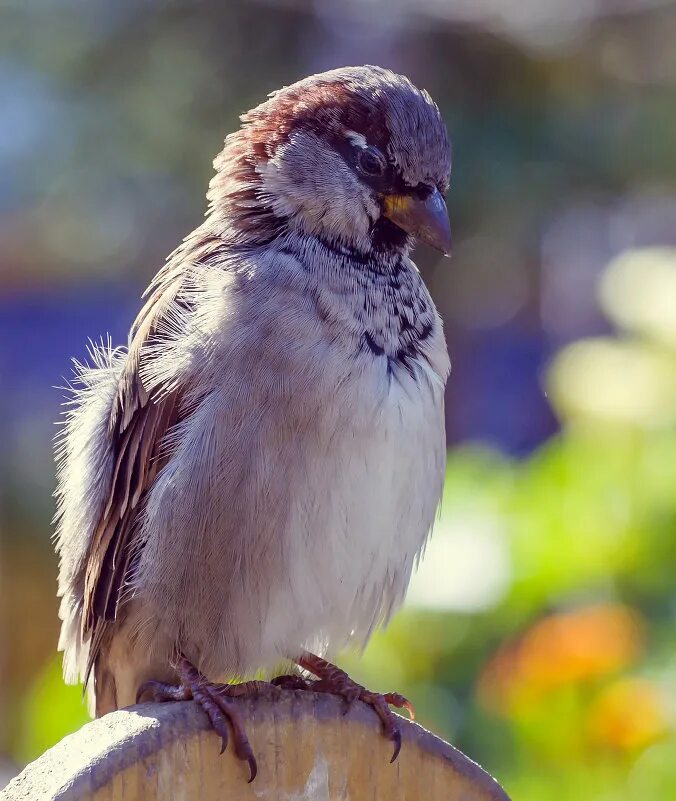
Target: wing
(140, 418)
(138, 423)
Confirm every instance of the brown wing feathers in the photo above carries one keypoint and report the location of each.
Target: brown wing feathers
(140, 419)
(136, 465)
(139, 422)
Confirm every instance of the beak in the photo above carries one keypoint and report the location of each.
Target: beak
(426, 220)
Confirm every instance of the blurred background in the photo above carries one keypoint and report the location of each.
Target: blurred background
(539, 634)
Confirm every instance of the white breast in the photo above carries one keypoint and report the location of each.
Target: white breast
(365, 512)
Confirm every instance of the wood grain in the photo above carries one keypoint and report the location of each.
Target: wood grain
(307, 750)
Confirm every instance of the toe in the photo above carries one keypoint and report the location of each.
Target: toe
(389, 720)
(216, 717)
(158, 692)
(401, 702)
(291, 682)
(222, 711)
(350, 696)
(245, 753)
(229, 711)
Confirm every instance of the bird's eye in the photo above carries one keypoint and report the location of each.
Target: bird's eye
(371, 162)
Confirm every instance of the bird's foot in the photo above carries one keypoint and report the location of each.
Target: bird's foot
(293, 681)
(331, 679)
(216, 701)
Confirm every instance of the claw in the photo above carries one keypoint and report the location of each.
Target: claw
(396, 739)
(253, 769)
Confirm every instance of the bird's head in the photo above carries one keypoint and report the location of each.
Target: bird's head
(358, 157)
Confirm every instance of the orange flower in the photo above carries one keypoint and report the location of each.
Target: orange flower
(559, 650)
(629, 714)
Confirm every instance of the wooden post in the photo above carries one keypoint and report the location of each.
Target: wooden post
(307, 750)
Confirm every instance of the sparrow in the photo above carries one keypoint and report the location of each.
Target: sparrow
(250, 482)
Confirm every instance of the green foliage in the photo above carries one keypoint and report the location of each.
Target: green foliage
(49, 711)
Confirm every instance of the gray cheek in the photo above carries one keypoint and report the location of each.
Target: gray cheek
(372, 208)
(313, 186)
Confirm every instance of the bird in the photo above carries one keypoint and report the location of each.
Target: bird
(248, 485)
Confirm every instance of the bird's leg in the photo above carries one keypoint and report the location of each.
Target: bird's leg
(215, 700)
(331, 679)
